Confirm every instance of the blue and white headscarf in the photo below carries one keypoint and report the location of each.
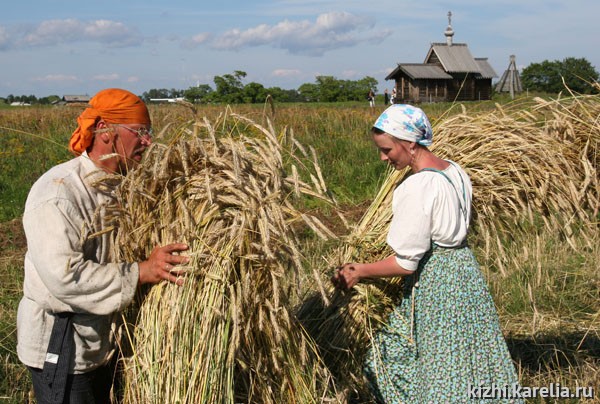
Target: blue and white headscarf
(407, 123)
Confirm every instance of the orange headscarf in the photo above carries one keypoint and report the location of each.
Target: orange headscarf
(114, 105)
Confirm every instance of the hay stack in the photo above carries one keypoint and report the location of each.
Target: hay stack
(528, 164)
(228, 334)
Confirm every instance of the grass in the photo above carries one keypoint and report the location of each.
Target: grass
(547, 296)
(32, 140)
(549, 306)
(14, 378)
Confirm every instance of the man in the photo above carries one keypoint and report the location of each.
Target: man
(72, 294)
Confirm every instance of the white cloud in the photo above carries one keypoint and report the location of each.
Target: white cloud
(57, 78)
(348, 74)
(286, 72)
(196, 40)
(133, 79)
(328, 32)
(106, 77)
(53, 32)
(4, 38)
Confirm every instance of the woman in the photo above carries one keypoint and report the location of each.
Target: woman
(443, 344)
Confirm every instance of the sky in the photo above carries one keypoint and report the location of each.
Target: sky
(75, 47)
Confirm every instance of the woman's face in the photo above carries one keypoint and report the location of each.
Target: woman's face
(395, 151)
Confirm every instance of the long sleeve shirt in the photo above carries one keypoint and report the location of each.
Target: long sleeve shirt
(68, 271)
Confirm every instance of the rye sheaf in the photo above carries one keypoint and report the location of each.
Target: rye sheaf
(529, 163)
(229, 333)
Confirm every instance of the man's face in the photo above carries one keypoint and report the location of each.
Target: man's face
(130, 142)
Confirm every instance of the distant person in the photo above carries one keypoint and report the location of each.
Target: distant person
(386, 97)
(371, 98)
(445, 336)
(393, 97)
(72, 292)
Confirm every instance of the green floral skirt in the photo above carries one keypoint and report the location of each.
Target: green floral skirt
(443, 344)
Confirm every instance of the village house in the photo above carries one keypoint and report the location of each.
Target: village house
(449, 73)
(73, 100)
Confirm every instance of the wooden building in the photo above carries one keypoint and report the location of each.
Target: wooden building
(449, 73)
(510, 82)
(76, 99)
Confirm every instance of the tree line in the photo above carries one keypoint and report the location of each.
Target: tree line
(229, 89)
(577, 74)
(30, 99)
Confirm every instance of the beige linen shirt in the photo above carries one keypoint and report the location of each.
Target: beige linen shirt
(66, 271)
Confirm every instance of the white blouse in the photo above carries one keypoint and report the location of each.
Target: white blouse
(427, 207)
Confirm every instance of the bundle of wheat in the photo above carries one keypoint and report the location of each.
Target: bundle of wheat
(526, 165)
(228, 334)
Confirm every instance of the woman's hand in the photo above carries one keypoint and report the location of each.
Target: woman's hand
(161, 263)
(349, 275)
(346, 276)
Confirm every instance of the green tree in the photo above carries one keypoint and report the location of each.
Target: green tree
(309, 92)
(254, 93)
(30, 99)
(364, 85)
(175, 93)
(156, 93)
(547, 76)
(49, 99)
(579, 74)
(198, 93)
(229, 87)
(330, 88)
(281, 95)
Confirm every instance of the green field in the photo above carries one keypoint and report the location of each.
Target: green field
(545, 284)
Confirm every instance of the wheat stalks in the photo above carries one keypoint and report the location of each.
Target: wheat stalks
(229, 334)
(537, 163)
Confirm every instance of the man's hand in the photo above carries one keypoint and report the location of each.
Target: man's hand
(161, 264)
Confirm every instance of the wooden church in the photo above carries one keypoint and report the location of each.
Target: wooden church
(449, 73)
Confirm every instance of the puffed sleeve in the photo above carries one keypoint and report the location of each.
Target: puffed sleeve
(410, 229)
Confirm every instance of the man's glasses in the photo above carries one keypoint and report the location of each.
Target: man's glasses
(142, 133)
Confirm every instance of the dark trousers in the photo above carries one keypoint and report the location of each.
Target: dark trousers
(85, 388)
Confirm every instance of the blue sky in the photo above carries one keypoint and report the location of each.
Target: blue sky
(79, 47)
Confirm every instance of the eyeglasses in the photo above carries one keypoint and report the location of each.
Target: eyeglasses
(142, 133)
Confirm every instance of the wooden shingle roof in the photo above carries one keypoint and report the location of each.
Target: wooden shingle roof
(420, 71)
(455, 58)
(76, 98)
(486, 71)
